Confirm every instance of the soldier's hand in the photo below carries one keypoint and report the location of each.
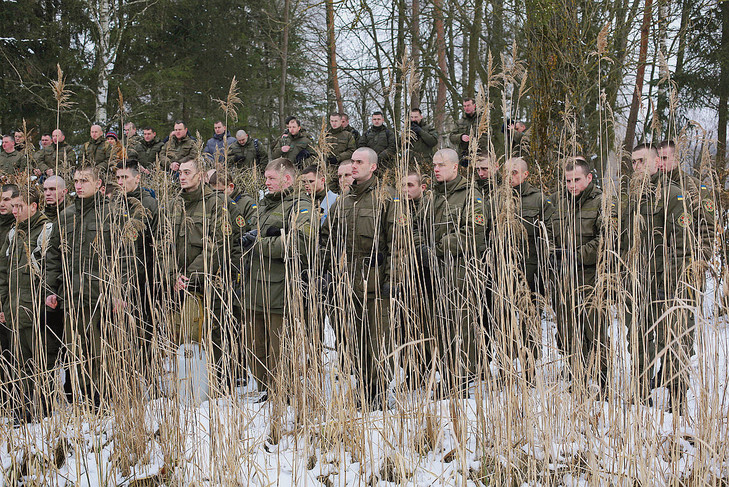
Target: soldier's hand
(175, 166)
(37, 172)
(285, 148)
(49, 172)
(415, 127)
(465, 138)
(181, 283)
(2, 317)
(332, 160)
(52, 301)
(275, 232)
(248, 239)
(144, 170)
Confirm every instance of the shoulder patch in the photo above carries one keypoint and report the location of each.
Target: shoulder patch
(479, 220)
(240, 221)
(679, 197)
(226, 228)
(703, 186)
(401, 220)
(478, 200)
(304, 210)
(254, 205)
(708, 205)
(684, 220)
(549, 201)
(395, 198)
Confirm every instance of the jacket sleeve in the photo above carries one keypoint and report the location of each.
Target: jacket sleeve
(348, 150)
(429, 136)
(364, 140)
(54, 263)
(276, 152)
(211, 259)
(456, 133)
(4, 281)
(389, 152)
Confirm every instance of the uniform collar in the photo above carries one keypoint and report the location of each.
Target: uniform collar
(357, 189)
(448, 187)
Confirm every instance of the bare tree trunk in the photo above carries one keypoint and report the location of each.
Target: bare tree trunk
(284, 66)
(440, 101)
(399, 55)
(332, 77)
(723, 88)
(415, 53)
(473, 50)
(685, 18)
(664, 12)
(105, 55)
(639, 78)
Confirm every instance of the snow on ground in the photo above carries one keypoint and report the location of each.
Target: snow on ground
(533, 436)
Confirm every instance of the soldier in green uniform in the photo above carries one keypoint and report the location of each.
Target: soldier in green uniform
(245, 152)
(55, 197)
(577, 228)
(487, 176)
(344, 176)
(200, 257)
(380, 139)
(423, 139)
(178, 149)
(315, 184)
(98, 151)
(132, 141)
(341, 141)
(294, 145)
(148, 150)
(349, 128)
(467, 127)
(357, 249)
(33, 346)
(77, 282)
(11, 161)
(661, 235)
(458, 238)
(57, 155)
(284, 231)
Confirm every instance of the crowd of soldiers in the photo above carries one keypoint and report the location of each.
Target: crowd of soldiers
(66, 262)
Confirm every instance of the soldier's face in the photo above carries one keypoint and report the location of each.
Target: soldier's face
(219, 128)
(130, 130)
(469, 107)
(19, 138)
(345, 122)
(86, 184)
(576, 181)
(96, 132)
(312, 184)
(149, 135)
(5, 203)
(645, 161)
(378, 120)
(485, 169)
(416, 117)
(52, 193)
(22, 210)
(190, 176)
(277, 181)
(293, 127)
(444, 170)
(518, 172)
(344, 173)
(667, 161)
(243, 139)
(412, 188)
(362, 168)
(8, 144)
(335, 121)
(57, 136)
(127, 180)
(46, 140)
(180, 130)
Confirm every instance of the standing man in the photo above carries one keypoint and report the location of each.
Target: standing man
(11, 161)
(358, 249)
(662, 234)
(285, 231)
(22, 277)
(57, 155)
(466, 128)
(148, 150)
(315, 184)
(341, 141)
(133, 141)
(349, 128)
(246, 152)
(78, 283)
(178, 149)
(344, 176)
(98, 151)
(577, 224)
(294, 145)
(218, 145)
(423, 139)
(380, 139)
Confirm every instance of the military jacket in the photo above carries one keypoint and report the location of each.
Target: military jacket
(464, 126)
(177, 150)
(286, 230)
(22, 270)
(423, 143)
(298, 144)
(147, 152)
(100, 153)
(380, 139)
(577, 224)
(703, 199)
(6, 223)
(243, 156)
(532, 209)
(65, 154)
(12, 163)
(342, 142)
